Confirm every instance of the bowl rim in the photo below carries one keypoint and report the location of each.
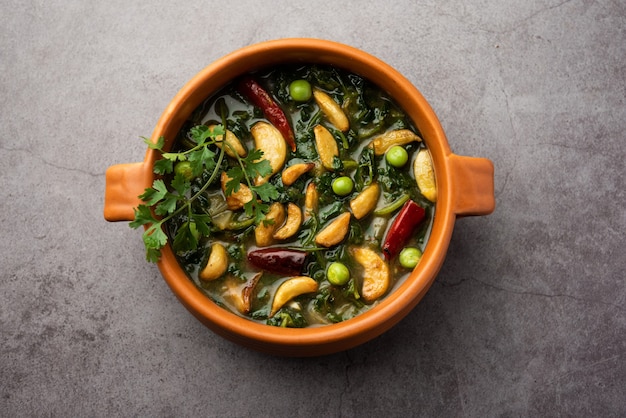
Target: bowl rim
(398, 303)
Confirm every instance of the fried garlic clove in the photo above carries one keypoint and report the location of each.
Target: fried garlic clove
(383, 142)
(236, 200)
(425, 175)
(293, 173)
(376, 276)
(292, 288)
(232, 145)
(216, 265)
(326, 146)
(332, 110)
(264, 231)
(292, 224)
(365, 201)
(269, 140)
(335, 231)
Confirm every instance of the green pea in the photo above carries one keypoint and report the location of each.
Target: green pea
(338, 274)
(300, 90)
(342, 186)
(409, 257)
(397, 156)
(184, 169)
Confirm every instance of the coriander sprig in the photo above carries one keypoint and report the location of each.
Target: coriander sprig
(163, 203)
(252, 166)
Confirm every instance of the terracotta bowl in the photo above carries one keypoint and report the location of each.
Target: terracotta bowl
(465, 187)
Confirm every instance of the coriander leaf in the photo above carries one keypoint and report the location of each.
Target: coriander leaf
(143, 216)
(218, 130)
(255, 165)
(235, 177)
(266, 192)
(148, 194)
(158, 192)
(256, 209)
(185, 239)
(163, 166)
(195, 155)
(235, 173)
(167, 205)
(208, 157)
(171, 201)
(180, 184)
(254, 154)
(195, 163)
(157, 146)
(199, 134)
(201, 158)
(261, 168)
(153, 254)
(154, 239)
(232, 186)
(152, 195)
(173, 156)
(159, 186)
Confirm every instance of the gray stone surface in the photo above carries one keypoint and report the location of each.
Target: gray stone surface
(526, 317)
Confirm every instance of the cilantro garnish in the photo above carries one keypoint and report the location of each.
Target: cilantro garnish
(161, 202)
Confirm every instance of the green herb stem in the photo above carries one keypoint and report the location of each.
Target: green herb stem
(187, 204)
(393, 206)
(211, 178)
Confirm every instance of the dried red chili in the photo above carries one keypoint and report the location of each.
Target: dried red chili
(409, 217)
(279, 260)
(260, 98)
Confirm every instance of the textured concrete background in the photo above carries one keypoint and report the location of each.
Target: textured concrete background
(526, 317)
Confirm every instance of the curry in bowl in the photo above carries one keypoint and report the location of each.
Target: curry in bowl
(296, 196)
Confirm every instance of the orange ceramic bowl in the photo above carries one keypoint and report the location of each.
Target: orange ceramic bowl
(465, 187)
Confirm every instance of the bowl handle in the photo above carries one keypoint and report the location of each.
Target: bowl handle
(124, 183)
(473, 185)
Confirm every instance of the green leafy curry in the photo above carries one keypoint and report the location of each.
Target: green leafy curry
(297, 196)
